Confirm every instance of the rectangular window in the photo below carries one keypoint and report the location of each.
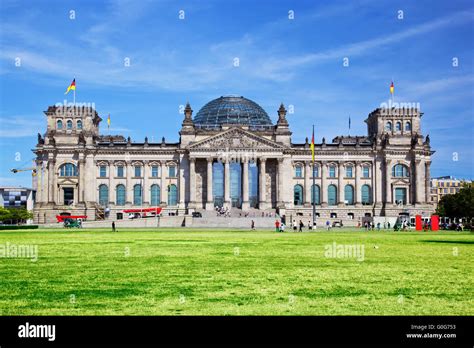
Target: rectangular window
(154, 171)
(298, 172)
(103, 171)
(316, 171)
(120, 171)
(365, 172)
(332, 172)
(138, 171)
(401, 195)
(348, 172)
(172, 171)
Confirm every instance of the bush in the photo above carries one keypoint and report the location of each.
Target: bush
(17, 227)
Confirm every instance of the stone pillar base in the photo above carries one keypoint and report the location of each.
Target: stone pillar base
(245, 206)
(324, 204)
(209, 205)
(340, 204)
(263, 205)
(358, 205)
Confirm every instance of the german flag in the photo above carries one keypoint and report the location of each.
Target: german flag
(392, 88)
(312, 145)
(72, 86)
(108, 121)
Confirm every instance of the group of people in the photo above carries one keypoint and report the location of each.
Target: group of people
(296, 226)
(221, 211)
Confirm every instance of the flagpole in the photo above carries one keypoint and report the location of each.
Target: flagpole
(314, 186)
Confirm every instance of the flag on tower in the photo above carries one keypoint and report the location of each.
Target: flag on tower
(108, 121)
(392, 88)
(72, 86)
(349, 122)
(312, 145)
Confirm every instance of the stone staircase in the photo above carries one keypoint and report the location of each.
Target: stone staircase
(237, 219)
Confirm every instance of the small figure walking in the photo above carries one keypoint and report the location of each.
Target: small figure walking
(113, 226)
(277, 226)
(253, 225)
(328, 225)
(301, 226)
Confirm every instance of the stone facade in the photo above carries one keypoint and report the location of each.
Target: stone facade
(383, 173)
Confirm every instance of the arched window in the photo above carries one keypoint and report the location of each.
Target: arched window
(365, 171)
(68, 169)
(137, 194)
(298, 195)
(366, 195)
(69, 124)
(332, 171)
(120, 195)
(172, 195)
(349, 194)
(298, 171)
(155, 195)
(59, 124)
(332, 195)
(315, 196)
(103, 195)
(399, 171)
(408, 126)
(388, 126)
(79, 124)
(398, 126)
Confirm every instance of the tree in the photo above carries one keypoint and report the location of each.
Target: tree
(15, 215)
(459, 205)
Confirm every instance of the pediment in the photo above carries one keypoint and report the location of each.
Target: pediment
(67, 180)
(236, 138)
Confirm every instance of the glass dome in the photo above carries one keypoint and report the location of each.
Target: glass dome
(232, 109)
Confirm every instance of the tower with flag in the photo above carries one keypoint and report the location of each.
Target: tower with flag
(72, 87)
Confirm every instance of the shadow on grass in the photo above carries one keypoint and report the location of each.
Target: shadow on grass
(449, 241)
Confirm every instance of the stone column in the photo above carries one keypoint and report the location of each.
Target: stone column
(146, 188)
(192, 182)
(427, 182)
(340, 184)
(128, 184)
(227, 202)
(181, 182)
(420, 181)
(281, 184)
(245, 185)
(377, 185)
(262, 181)
(82, 180)
(388, 182)
(210, 198)
(91, 174)
(51, 181)
(111, 184)
(324, 188)
(164, 187)
(307, 184)
(358, 186)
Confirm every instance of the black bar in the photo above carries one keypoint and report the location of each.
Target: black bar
(240, 330)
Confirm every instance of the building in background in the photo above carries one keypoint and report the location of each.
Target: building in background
(231, 154)
(17, 197)
(445, 185)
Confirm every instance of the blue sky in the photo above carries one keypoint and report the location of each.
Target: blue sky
(295, 61)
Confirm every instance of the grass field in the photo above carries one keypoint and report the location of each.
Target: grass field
(190, 272)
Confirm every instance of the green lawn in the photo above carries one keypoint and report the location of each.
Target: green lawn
(196, 272)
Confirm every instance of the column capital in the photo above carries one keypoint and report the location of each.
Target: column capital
(210, 159)
(192, 159)
(262, 159)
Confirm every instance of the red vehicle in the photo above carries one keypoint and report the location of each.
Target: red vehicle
(142, 213)
(61, 218)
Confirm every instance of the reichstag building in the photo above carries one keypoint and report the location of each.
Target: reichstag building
(231, 154)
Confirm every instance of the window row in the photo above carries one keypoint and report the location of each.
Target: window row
(121, 195)
(138, 171)
(69, 124)
(349, 197)
(350, 171)
(398, 126)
